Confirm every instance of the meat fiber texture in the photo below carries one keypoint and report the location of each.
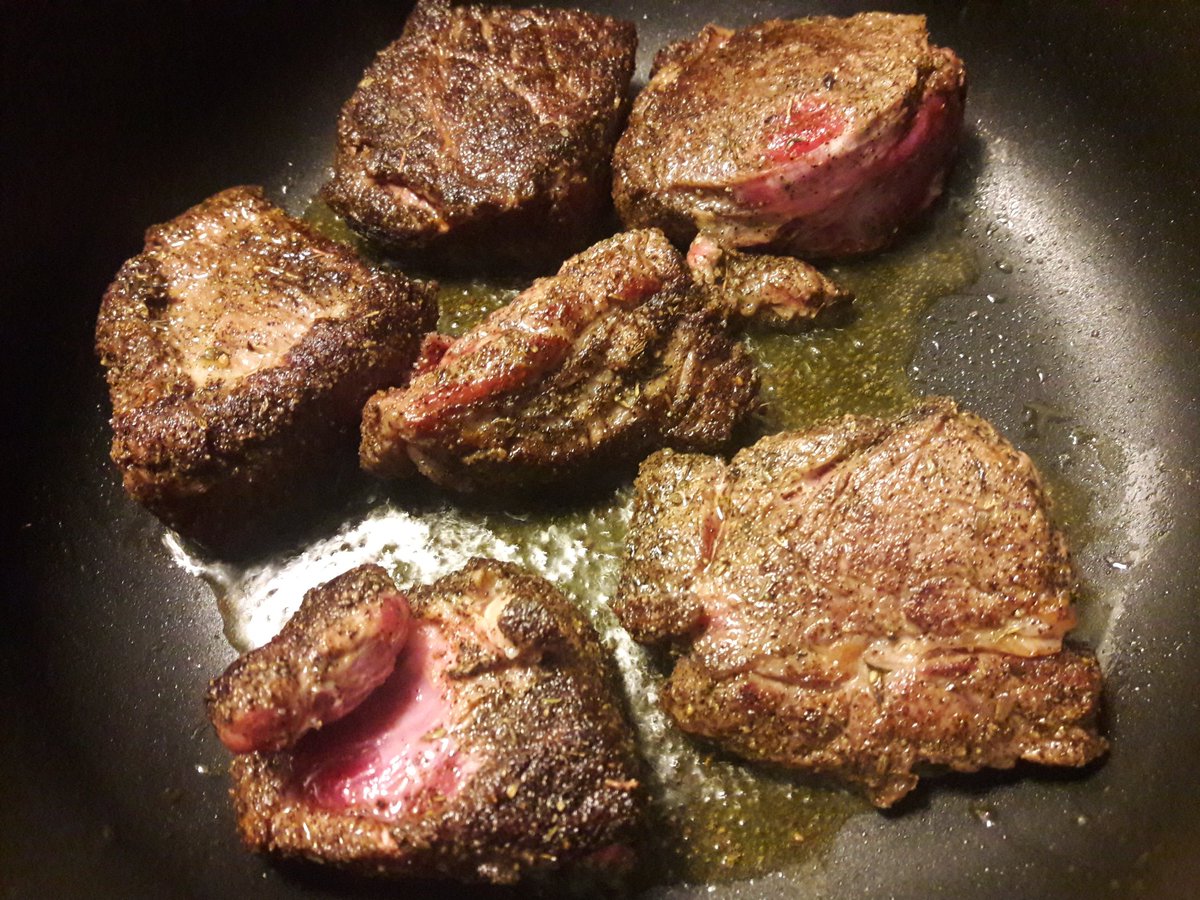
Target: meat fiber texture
(585, 372)
(779, 293)
(240, 346)
(338, 647)
(818, 137)
(863, 600)
(483, 137)
(494, 750)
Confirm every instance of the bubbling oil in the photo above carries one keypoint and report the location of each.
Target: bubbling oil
(714, 819)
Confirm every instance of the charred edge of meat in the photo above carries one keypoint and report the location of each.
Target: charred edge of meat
(667, 549)
(1051, 719)
(741, 135)
(777, 293)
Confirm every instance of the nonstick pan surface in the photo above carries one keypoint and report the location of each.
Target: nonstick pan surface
(1079, 184)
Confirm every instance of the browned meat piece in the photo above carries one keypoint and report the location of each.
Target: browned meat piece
(484, 135)
(240, 347)
(338, 647)
(778, 292)
(587, 370)
(496, 748)
(864, 599)
(819, 137)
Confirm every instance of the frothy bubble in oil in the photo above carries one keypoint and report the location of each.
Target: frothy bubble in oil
(715, 819)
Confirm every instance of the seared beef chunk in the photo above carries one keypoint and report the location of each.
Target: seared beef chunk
(862, 599)
(484, 134)
(778, 292)
(240, 347)
(613, 357)
(338, 647)
(496, 748)
(818, 137)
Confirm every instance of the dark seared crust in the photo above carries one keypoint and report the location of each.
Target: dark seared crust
(340, 644)
(659, 370)
(672, 514)
(698, 135)
(483, 136)
(932, 717)
(862, 599)
(211, 459)
(642, 193)
(559, 781)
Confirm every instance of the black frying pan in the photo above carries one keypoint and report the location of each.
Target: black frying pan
(1085, 118)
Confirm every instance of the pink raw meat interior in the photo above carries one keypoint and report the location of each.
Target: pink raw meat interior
(807, 125)
(852, 187)
(393, 755)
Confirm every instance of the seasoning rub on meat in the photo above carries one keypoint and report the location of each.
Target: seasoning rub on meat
(493, 748)
(482, 138)
(240, 346)
(582, 374)
(819, 137)
(864, 600)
